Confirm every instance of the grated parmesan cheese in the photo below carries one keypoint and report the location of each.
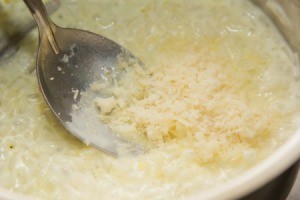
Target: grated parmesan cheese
(105, 105)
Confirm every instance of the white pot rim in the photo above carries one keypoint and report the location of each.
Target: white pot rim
(282, 158)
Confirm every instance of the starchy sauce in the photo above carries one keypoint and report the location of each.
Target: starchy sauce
(220, 93)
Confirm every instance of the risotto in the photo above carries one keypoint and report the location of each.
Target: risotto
(219, 94)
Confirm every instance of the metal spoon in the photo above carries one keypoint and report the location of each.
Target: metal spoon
(68, 62)
(10, 43)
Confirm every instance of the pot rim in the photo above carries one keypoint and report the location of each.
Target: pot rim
(275, 164)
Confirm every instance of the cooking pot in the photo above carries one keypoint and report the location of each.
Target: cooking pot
(286, 16)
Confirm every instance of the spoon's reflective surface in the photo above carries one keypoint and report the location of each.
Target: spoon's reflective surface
(68, 62)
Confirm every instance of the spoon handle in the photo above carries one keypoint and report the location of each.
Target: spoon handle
(39, 13)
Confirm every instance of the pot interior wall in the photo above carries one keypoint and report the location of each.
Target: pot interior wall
(286, 15)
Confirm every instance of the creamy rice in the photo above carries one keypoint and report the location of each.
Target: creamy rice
(222, 95)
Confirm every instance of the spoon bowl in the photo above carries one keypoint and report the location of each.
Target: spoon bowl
(68, 62)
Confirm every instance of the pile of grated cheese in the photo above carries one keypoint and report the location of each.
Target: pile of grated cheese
(218, 94)
(195, 101)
